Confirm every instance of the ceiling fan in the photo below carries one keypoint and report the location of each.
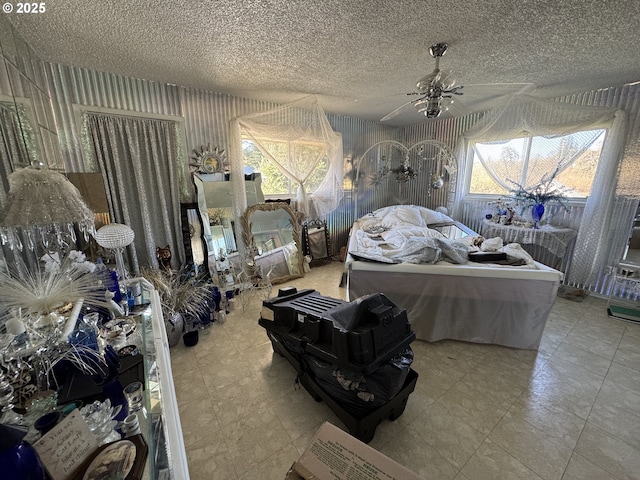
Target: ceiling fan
(438, 89)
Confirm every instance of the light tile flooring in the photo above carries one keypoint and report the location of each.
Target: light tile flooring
(569, 411)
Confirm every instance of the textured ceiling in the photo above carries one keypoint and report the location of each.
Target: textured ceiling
(361, 57)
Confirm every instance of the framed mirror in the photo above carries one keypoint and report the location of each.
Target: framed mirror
(271, 234)
(216, 204)
(208, 160)
(315, 238)
(194, 247)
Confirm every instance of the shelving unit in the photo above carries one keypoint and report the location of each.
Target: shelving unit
(623, 301)
(167, 457)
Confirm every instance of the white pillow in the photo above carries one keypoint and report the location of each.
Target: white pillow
(404, 215)
(398, 214)
(431, 216)
(411, 215)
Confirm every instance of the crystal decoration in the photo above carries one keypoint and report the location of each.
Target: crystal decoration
(116, 237)
(42, 204)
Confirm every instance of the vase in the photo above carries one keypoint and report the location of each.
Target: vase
(20, 462)
(537, 211)
(190, 338)
(174, 324)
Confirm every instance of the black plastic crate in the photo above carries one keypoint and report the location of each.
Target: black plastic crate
(364, 427)
(359, 335)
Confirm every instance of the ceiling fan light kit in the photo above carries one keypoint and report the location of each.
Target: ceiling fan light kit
(438, 89)
(434, 88)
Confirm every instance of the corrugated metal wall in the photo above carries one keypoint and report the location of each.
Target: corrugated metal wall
(206, 116)
(76, 88)
(357, 136)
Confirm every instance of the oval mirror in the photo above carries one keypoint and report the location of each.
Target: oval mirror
(272, 236)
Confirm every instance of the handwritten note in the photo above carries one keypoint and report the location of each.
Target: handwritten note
(63, 448)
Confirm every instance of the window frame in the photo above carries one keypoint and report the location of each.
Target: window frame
(488, 197)
(292, 188)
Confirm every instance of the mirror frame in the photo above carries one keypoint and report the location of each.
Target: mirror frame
(188, 239)
(247, 236)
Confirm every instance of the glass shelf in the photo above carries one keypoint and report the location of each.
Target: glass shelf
(625, 287)
(161, 429)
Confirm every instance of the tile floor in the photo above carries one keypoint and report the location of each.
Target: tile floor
(570, 411)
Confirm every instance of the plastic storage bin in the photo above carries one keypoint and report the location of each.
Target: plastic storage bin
(359, 335)
(363, 427)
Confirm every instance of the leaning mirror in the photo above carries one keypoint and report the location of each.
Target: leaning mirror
(272, 236)
(192, 235)
(215, 206)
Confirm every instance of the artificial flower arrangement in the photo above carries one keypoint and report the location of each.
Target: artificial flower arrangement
(542, 193)
(510, 209)
(35, 305)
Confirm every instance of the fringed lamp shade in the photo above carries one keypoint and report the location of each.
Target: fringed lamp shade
(117, 237)
(42, 204)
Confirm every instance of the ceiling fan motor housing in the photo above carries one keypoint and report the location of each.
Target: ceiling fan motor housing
(430, 107)
(437, 50)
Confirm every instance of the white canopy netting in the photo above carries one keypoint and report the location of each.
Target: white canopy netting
(298, 139)
(536, 117)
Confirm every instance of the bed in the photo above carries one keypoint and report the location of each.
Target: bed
(469, 301)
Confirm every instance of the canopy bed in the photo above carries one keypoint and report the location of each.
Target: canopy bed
(418, 257)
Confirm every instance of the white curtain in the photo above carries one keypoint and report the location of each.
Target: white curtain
(296, 137)
(504, 173)
(531, 116)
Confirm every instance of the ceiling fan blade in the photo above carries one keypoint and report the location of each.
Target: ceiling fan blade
(483, 97)
(487, 89)
(454, 107)
(448, 78)
(395, 112)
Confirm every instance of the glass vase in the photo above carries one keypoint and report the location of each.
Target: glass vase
(537, 211)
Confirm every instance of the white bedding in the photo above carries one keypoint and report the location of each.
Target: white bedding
(476, 302)
(400, 234)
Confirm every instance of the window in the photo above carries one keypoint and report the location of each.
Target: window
(274, 182)
(501, 166)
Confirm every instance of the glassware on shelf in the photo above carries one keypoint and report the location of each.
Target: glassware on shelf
(100, 418)
(8, 416)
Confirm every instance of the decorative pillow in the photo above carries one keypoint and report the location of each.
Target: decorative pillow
(396, 215)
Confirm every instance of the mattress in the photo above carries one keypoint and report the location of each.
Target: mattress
(474, 302)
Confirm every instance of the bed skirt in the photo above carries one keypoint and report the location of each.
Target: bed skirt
(510, 309)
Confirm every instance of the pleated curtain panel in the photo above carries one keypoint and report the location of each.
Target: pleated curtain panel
(13, 152)
(139, 161)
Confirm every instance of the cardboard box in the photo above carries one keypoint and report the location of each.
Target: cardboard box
(336, 455)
